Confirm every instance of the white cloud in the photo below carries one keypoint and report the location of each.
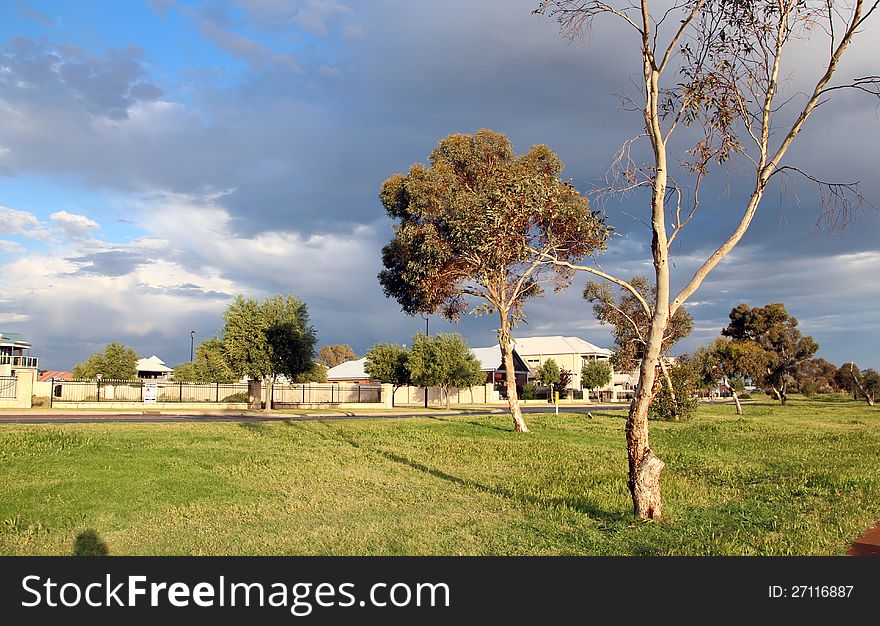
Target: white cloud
(15, 222)
(10, 246)
(73, 225)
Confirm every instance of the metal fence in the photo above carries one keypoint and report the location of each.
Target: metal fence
(7, 388)
(91, 390)
(325, 393)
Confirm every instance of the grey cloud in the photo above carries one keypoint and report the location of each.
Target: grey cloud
(34, 15)
(68, 78)
(187, 290)
(110, 262)
(161, 7)
(312, 16)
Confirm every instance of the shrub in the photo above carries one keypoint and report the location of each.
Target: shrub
(530, 391)
(39, 401)
(745, 396)
(236, 397)
(684, 382)
(808, 388)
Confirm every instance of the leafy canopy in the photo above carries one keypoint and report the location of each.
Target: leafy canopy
(774, 331)
(268, 338)
(336, 354)
(631, 322)
(548, 373)
(474, 223)
(117, 362)
(443, 360)
(388, 363)
(210, 365)
(596, 374)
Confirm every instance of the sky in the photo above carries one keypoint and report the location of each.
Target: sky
(159, 157)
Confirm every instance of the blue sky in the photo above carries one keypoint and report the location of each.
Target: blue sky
(158, 157)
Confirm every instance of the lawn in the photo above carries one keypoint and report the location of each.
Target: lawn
(803, 479)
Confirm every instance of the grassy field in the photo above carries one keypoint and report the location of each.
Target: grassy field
(803, 479)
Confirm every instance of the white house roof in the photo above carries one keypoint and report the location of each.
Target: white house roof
(353, 370)
(557, 344)
(489, 358)
(152, 364)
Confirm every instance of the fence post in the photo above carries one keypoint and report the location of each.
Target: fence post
(52, 392)
(99, 390)
(331, 393)
(217, 395)
(359, 393)
(180, 391)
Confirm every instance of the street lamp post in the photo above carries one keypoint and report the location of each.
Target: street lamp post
(192, 343)
(427, 334)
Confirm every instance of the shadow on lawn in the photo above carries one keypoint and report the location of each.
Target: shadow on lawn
(89, 543)
(520, 498)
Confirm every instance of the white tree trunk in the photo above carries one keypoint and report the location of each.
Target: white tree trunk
(510, 375)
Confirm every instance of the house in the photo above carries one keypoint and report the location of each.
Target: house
(492, 362)
(14, 353)
(349, 372)
(570, 353)
(153, 368)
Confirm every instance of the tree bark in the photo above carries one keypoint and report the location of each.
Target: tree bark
(739, 409)
(669, 386)
(868, 397)
(645, 466)
(270, 385)
(510, 374)
(446, 393)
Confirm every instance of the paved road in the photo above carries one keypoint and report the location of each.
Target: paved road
(155, 417)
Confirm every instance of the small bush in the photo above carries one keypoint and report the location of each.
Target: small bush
(236, 397)
(808, 388)
(745, 396)
(39, 401)
(684, 382)
(530, 391)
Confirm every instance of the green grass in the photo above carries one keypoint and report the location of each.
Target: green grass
(803, 479)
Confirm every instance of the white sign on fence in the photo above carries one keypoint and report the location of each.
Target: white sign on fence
(151, 391)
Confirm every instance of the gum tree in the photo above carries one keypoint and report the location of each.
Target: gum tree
(713, 67)
(478, 222)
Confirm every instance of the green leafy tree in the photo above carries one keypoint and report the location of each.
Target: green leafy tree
(185, 373)
(117, 362)
(774, 331)
(479, 222)
(210, 365)
(266, 339)
(548, 375)
(623, 310)
(316, 374)
(728, 360)
(336, 354)
(595, 374)
(818, 375)
(443, 361)
(865, 383)
(680, 402)
(389, 363)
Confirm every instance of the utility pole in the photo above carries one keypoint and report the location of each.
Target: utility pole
(192, 343)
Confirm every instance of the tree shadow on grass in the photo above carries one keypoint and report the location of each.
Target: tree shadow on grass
(472, 423)
(576, 504)
(89, 543)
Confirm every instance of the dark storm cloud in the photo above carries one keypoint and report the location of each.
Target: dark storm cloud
(304, 153)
